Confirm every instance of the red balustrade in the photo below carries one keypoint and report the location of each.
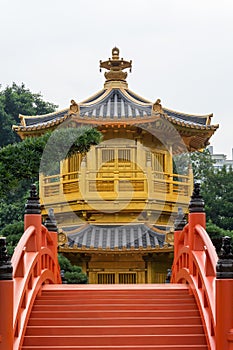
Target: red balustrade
(195, 261)
(34, 264)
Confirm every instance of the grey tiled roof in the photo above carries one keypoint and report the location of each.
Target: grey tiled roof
(116, 237)
(30, 121)
(189, 119)
(115, 105)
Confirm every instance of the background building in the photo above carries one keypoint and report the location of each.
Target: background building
(220, 159)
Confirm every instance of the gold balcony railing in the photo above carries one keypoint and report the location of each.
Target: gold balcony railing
(86, 184)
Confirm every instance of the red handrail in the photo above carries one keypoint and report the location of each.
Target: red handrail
(34, 263)
(195, 262)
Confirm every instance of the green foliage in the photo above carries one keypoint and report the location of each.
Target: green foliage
(181, 163)
(20, 161)
(12, 232)
(20, 164)
(11, 229)
(217, 192)
(216, 189)
(75, 277)
(202, 165)
(72, 274)
(216, 233)
(64, 142)
(11, 212)
(15, 100)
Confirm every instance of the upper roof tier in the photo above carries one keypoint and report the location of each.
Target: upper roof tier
(116, 104)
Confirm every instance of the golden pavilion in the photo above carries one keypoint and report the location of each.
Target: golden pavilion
(115, 205)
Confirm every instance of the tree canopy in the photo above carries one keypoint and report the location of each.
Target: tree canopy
(20, 162)
(217, 191)
(15, 100)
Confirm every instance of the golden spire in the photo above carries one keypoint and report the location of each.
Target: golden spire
(115, 65)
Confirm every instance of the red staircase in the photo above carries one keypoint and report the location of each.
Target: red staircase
(195, 311)
(115, 317)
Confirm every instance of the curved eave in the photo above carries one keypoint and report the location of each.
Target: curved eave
(204, 119)
(190, 125)
(115, 238)
(41, 126)
(49, 116)
(182, 125)
(75, 249)
(126, 108)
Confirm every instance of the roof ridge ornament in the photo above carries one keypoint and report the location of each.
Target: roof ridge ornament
(74, 107)
(115, 66)
(157, 107)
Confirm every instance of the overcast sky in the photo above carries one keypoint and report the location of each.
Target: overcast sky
(182, 52)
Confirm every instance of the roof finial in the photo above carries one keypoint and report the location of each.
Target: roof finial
(115, 65)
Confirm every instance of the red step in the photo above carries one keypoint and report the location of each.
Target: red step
(115, 329)
(115, 317)
(192, 320)
(127, 347)
(119, 339)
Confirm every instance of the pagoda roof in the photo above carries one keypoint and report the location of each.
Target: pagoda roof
(115, 238)
(116, 104)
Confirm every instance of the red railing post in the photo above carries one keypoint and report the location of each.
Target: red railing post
(224, 297)
(196, 215)
(51, 225)
(32, 217)
(179, 224)
(6, 299)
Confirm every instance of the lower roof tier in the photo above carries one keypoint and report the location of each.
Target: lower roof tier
(131, 237)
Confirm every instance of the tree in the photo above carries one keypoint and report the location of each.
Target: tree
(72, 274)
(20, 162)
(19, 167)
(218, 196)
(15, 100)
(216, 233)
(217, 191)
(202, 165)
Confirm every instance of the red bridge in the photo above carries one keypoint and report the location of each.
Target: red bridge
(194, 311)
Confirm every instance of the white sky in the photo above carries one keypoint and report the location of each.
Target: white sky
(182, 52)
